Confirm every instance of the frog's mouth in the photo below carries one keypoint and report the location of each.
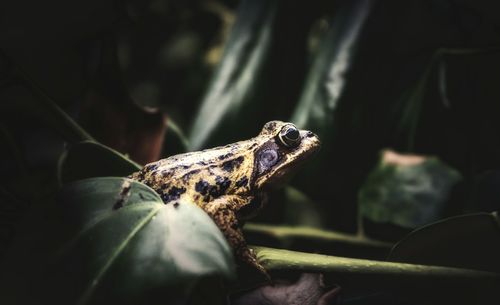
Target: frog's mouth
(291, 160)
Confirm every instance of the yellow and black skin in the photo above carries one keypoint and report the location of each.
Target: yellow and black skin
(229, 182)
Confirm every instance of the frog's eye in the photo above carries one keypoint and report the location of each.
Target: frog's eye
(289, 136)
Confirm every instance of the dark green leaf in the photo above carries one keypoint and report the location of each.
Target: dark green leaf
(413, 100)
(468, 241)
(176, 139)
(406, 194)
(326, 80)
(238, 72)
(323, 92)
(82, 250)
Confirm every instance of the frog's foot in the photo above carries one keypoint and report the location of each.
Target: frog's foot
(247, 255)
(222, 211)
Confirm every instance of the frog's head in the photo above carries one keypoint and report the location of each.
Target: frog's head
(284, 147)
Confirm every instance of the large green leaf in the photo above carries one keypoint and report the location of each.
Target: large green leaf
(83, 250)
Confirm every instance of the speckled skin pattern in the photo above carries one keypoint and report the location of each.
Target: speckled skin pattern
(229, 182)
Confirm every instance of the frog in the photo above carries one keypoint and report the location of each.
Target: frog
(230, 183)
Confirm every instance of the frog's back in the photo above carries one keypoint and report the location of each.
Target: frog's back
(200, 176)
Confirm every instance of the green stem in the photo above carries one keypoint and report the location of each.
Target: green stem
(385, 272)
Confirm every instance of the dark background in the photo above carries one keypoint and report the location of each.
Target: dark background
(421, 77)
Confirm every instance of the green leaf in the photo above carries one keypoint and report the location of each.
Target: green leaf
(175, 137)
(82, 250)
(326, 80)
(467, 241)
(324, 90)
(410, 193)
(237, 74)
(413, 100)
(90, 159)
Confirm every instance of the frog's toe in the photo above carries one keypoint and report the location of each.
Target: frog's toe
(251, 259)
(263, 271)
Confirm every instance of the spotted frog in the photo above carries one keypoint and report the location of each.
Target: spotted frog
(229, 182)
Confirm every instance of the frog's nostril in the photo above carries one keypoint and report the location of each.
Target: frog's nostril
(309, 134)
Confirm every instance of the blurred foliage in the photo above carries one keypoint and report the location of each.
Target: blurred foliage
(474, 236)
(405, 190)
(86, 88)
(229, 95)
(305, 238)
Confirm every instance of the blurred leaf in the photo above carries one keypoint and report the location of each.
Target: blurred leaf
(237, 73)
(90, 159)
(467, 241)
(413, 100)
(317, 110)
(176, 141)
(327, 76)
(406, 190)
(303, 238)
(88, 252)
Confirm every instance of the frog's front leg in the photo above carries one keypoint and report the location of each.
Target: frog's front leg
(222, 210)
